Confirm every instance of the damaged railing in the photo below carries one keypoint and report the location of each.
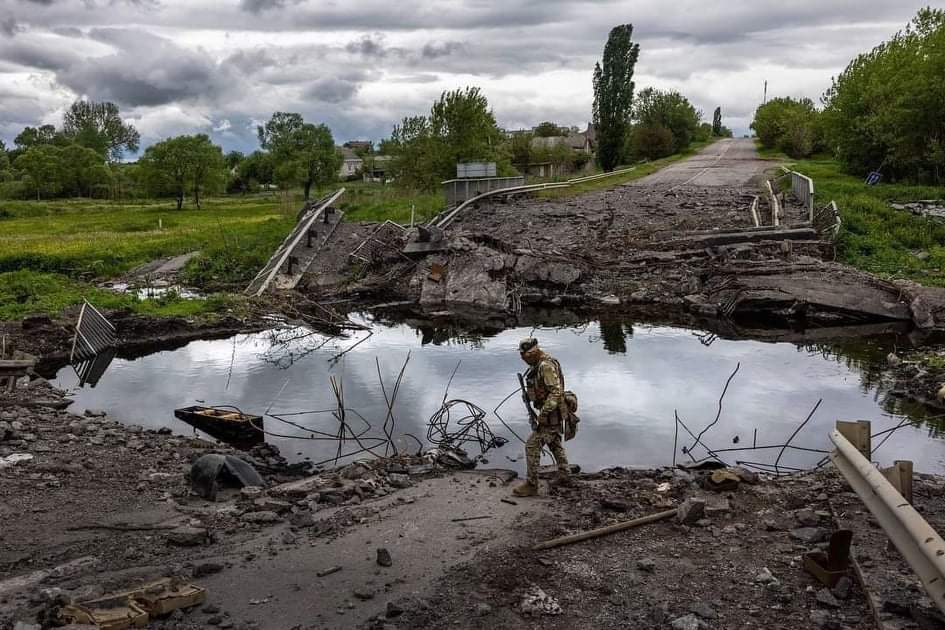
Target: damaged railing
(446, 217)
(308, 216)
(916, 540)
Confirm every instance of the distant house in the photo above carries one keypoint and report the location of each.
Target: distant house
(351, 164)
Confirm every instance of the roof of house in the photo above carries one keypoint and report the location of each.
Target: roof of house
(348, 154)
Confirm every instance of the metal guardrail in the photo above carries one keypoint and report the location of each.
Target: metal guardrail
(265, 276)
(774, 205)
(803, 188)
(915, 539)
(827, 221)
(446, 217)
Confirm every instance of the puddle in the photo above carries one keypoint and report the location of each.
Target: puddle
(630, 378)
(155, 292)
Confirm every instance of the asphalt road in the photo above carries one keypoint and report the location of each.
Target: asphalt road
(732, 162)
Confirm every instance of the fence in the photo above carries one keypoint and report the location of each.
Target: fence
(460, 190)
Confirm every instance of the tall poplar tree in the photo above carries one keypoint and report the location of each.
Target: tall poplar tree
(613, 94)
(717, 122)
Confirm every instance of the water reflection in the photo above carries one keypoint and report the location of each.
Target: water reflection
(631, 378)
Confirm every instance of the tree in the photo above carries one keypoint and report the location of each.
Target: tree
(33, 136)
(613, 94)
(460, 127)
(79, 170)
(207, 166)
(302, 152)
(41, 167)
(548, 130)
(520, 147)
(233, 159)
(255, 170)
(178, 165)
(885, 109)
(789, 125)
(717, 122)
(650, 143)
(671, 110)
(98, 126)
(164, 167)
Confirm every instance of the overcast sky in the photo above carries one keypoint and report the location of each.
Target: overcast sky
(222, 66)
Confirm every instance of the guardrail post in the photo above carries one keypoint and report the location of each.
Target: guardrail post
(858, 433)
(916, 540)
(900, 476)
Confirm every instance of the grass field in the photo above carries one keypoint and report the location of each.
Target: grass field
(51, 252)
(874, 236)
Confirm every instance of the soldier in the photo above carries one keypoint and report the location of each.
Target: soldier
(545, 389)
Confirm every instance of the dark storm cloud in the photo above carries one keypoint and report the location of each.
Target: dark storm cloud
(433, 50)
(367, 46)
(333, 89)
(359, 66)
(144, 70)
(10, 27)
(257, 6)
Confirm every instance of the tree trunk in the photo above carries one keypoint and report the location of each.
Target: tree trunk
(308, 188)
(180, 199)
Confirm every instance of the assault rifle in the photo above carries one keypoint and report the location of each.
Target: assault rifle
(532, 416)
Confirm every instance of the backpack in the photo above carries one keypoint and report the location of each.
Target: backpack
(568, 408)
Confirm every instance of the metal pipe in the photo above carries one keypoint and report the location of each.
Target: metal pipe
(915, 539)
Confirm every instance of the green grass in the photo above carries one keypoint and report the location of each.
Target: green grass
(874, 236)
(376, 202)
(639, 171)
(92, 238)
(25, 292)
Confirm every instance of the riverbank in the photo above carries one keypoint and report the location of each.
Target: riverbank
(115, 508)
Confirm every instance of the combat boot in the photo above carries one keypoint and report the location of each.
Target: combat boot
(526, 489)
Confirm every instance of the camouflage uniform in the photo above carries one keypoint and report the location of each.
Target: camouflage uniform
(543, 385)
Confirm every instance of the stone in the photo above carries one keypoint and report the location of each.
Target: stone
(483, 609)
(383, 557)
(810, 535)
(289, 538)
(842, 588)
(535, 601)
(268, 504)
(807, 518)
(826, 598)
(688, 622)
(364, 594)
(821, 620)
(399, 481)
(251, 492)
(690, 510)
(703, 610)
(22, 625)
(187, 536)
(647, 565)
(261, 517)
(765, 576)
(94, 413)
(210, 609)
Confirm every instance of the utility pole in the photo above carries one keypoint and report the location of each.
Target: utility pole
(765, 99)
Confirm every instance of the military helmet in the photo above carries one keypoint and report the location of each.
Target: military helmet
(527, 344)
